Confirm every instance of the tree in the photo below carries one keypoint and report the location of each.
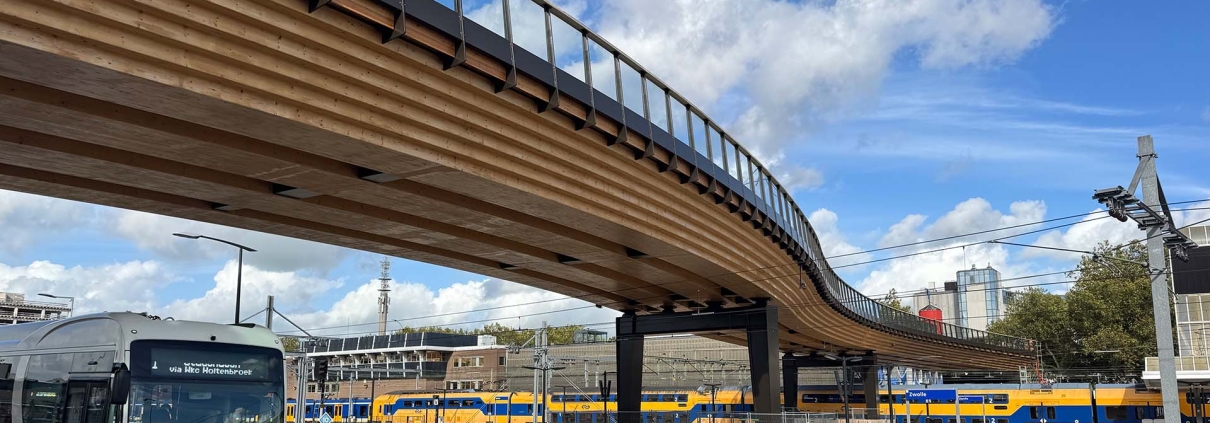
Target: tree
(1111, 309)
(1103, 323)
(892, 299)
(290, 344)
(1043, 317)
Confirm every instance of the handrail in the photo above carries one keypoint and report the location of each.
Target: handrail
(748, 178)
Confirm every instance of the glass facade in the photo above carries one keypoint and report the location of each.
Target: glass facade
(986, 283)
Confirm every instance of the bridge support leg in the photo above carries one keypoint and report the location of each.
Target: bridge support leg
(759, 322)
(630, 370)
(870, 386)
(762, 356)
(789, 381)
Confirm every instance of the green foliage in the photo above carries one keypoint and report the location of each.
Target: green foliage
(290, 344)
(892, 299)
(1102, 325)
(504, 334)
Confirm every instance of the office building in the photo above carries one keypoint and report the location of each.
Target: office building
(975, 299)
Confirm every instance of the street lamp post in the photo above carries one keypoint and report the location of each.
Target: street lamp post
(239, 272)
(71, 302)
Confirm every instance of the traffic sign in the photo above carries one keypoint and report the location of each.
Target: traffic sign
(325, 418)
(932, 395)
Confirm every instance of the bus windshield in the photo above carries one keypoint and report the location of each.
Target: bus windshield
(194, 382)
(204, 402)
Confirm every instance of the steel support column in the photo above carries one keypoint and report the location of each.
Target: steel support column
(762, 355)
(789, 382)
(629, 353)
(869, 384)
(759, 323)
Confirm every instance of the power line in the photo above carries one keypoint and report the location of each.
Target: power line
(783, 265)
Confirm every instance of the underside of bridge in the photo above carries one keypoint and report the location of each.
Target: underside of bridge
(268, 116)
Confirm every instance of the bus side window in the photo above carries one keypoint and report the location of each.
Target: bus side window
(42, 400)
(7, 365)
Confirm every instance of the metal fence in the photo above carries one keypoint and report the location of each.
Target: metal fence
(552, 46)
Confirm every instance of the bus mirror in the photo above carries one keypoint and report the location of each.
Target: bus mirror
(119, 385)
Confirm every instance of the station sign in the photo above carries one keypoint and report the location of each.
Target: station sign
(932, 395)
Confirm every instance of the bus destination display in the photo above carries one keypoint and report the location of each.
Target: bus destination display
(178, 363)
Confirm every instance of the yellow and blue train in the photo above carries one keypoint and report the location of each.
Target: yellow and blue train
(991, 403)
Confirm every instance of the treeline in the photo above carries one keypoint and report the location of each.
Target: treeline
(1101, 328)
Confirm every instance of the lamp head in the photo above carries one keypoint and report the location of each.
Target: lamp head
(43, 294)
(186, 235)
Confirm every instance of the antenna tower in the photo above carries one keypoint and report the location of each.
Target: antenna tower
(384, 297)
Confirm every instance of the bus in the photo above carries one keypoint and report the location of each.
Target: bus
(138, 368)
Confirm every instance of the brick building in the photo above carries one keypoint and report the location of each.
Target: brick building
(416, 362)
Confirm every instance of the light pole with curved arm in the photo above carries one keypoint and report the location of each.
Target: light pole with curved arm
(71, 309)
(239, 272)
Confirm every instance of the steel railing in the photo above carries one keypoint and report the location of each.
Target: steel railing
(695, 138)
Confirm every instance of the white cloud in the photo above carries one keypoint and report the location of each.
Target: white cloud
(130, 286)
(810, 62)
(927, 269)
(798, 177)
(833, 241)
(27, 218)
(292, 291)
(972, 215)
(153, 233)
(413, 304)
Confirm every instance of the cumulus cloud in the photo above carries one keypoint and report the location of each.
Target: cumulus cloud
(414, 304)
(798, 177)
(914, 272)
(153, 233)
(972, 215)
(834, 242)
(27, 218)
(130, 286)
(810, 62)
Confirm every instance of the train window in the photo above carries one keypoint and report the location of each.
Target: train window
(1000, 407)
(682, 397)
(935, 420)
(468, 403)
(999, 398)
(1050, 413)
(951, 420)
(1033, 413)
(1115, 413)
(1001, 420)
(1159, 412)
(976, 420)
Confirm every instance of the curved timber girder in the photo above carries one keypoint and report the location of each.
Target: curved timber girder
(320, 131)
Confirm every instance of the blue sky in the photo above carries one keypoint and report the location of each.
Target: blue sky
(897, 121)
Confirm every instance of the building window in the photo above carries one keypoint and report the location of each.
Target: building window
(468, 362)
(501, 363)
